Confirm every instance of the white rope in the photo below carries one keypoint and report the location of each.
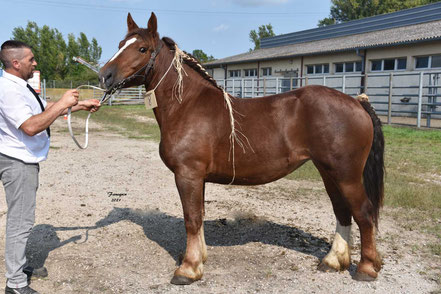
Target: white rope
(69, 124)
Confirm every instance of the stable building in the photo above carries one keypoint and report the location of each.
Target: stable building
(400, 42)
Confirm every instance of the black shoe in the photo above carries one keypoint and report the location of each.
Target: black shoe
(23, 290)
(35, 273)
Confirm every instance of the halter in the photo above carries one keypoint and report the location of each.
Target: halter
(147, 68)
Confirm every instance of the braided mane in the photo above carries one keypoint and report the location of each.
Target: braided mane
(191, 61)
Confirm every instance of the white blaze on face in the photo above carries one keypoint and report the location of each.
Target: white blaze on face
(127, 44)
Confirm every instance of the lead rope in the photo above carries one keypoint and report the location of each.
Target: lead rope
(69, 123)
(103, 99)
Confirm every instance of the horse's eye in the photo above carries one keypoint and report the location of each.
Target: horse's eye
(143, 50)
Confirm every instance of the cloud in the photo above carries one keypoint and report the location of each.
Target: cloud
(251, 3)
(221, 28)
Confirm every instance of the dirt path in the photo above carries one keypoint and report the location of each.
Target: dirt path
(264, 239)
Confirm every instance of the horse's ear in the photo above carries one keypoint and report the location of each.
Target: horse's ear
(131, 24)
(152, 24)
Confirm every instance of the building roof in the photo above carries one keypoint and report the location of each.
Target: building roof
(396, 19)
(407, 34)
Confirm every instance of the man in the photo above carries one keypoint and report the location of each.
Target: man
(24, 142)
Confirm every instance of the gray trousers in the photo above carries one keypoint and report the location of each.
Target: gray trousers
(20, 181)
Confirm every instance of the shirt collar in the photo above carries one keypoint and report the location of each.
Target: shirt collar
(15, 79)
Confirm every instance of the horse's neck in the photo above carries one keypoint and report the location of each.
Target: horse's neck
(172, 105)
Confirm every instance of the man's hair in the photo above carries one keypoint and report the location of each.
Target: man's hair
(5, 53)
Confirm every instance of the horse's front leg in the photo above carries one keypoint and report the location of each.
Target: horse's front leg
(191, 192)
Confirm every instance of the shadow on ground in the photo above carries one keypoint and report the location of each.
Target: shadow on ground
(169, 233)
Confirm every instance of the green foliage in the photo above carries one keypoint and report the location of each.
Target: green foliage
(346, 10)
(54, 56)
(202, 56)
(264, 31)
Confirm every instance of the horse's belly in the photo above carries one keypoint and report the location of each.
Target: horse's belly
(257, 172)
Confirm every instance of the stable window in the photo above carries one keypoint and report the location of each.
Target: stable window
(436, 61)
(433, 61)
(266, 71)
(348, 67)
(339, 67)
(251, 72)
(317, 69)
(234, 73)
(388, 64)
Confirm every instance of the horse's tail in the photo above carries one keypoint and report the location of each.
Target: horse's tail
(373, 174)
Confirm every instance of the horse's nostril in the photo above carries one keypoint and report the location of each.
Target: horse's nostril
(107, 79)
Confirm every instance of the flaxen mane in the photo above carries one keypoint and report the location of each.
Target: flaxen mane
(236, 135)
(191, 61)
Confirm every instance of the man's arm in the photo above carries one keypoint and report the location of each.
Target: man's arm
(39, 122)
(91, 105)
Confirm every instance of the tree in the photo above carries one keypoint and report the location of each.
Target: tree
(202, 56)
(264, 31)
(54, 57)
(346, 10)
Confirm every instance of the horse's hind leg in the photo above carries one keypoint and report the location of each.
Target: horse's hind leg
(191, 193)
(349, 198)
(339, 257)
(362, 211)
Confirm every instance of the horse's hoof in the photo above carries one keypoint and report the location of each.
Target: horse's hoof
(181, 280)
(323, 267)
(363, 277)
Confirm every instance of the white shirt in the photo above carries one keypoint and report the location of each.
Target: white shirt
(17, 104)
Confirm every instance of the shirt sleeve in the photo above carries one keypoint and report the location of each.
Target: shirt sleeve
(15, 109)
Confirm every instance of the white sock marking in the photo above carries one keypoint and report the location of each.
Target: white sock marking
(344, 231)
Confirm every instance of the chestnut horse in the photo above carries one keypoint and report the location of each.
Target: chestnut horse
(341, 135)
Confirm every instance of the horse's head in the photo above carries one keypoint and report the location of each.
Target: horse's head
(128, 66)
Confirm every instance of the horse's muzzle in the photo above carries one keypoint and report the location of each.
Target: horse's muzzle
(106, 77)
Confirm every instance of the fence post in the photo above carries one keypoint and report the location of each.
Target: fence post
(277, 85)
(44, 89)
(389, 109)
(365, 86)
(242, 88)
(264, 86)
(324, 80)
(232, 90)
(252, 87)
(420, 99)
(343, 84)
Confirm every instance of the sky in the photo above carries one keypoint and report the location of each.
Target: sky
(218, 27)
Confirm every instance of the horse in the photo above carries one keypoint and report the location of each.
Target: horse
(208, 135)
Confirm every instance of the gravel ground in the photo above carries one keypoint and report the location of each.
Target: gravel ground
(109, 220)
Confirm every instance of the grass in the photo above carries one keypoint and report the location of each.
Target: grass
(133, 121)
(412, 160)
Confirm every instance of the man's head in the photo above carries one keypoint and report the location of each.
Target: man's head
(18, 59)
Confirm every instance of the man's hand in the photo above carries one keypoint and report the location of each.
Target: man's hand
(91, 105)
(70, 98)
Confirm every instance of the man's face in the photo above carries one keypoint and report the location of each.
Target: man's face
(27, 64)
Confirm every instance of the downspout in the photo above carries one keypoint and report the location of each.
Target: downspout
(225, 76)
(363, 70)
